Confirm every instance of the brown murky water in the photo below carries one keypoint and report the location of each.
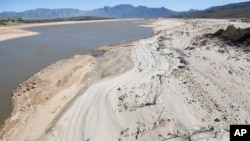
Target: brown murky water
(21, 58)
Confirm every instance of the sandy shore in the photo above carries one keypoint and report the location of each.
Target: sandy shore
(175, 85)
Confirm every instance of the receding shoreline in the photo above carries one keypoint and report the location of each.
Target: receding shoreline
(24, 68)
(150, 89)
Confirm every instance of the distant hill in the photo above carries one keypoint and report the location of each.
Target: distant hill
(129, 11)
(235, 10)
(120, 11)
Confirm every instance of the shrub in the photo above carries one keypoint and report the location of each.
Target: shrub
(234, 35)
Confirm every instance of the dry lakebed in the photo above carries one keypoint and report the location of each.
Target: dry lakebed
(175, 85)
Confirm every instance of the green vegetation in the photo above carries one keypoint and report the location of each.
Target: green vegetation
(236, 36)
(8, 21)
(13, 21)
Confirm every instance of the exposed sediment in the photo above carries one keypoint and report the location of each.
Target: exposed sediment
(177, 85)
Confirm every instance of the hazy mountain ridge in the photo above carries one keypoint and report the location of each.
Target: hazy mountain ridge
(234, 10)
(44, 13)
(129, 11)
(120, 11)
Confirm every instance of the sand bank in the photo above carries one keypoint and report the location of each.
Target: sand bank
(176, 85)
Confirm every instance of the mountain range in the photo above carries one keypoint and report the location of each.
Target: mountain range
(236, 10)
(119, 11)
(42, 13)
(129, 11)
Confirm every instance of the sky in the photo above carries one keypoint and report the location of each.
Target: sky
(176, 5)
